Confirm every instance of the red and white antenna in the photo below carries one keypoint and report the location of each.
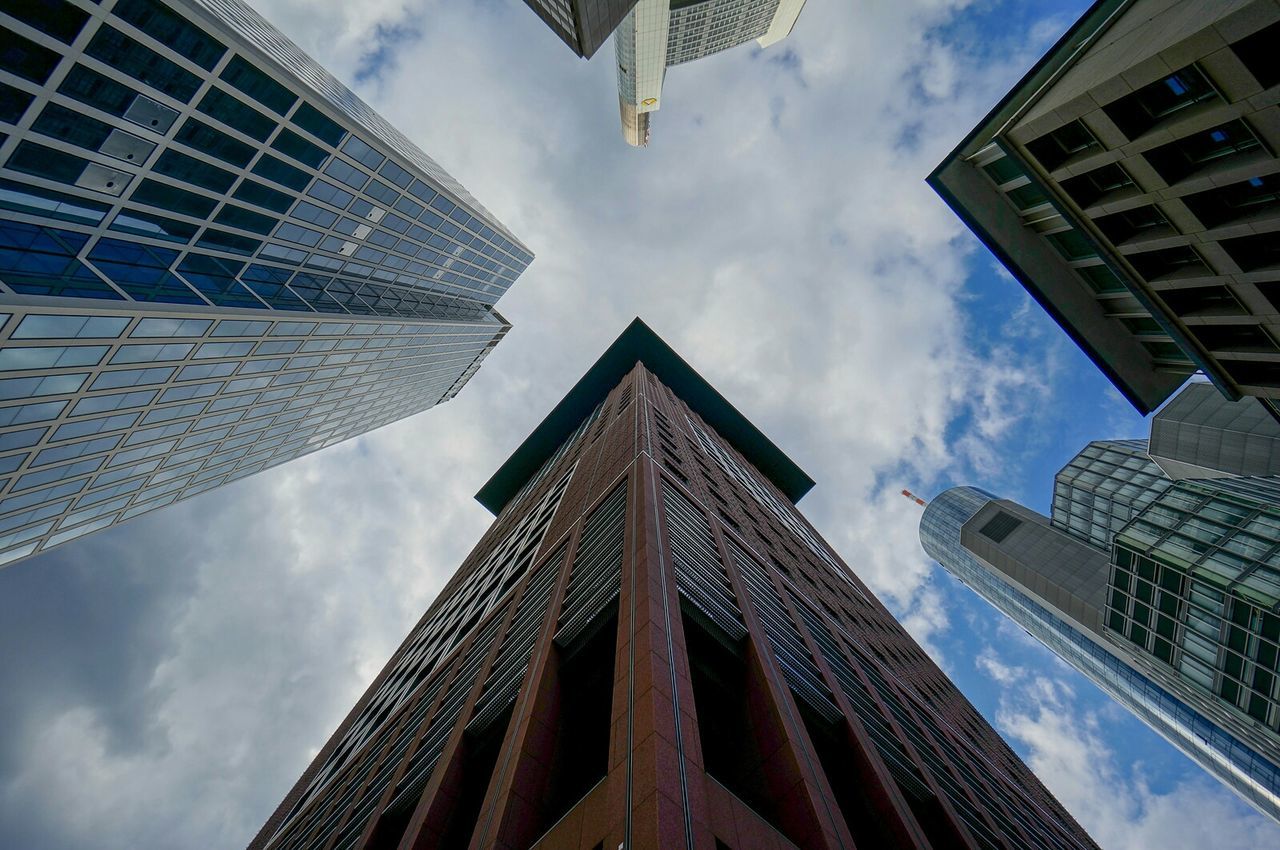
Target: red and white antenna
(913, 497)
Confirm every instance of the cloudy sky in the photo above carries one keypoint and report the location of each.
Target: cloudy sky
(164, 683)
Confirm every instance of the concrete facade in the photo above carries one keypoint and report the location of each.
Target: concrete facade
(1130, 183)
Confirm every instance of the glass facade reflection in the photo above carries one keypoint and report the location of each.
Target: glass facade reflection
(213, 257)
(1186, 725)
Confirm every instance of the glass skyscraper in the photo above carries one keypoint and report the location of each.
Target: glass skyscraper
(214, 257)
(1164, 592)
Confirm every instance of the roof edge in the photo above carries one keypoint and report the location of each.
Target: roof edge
(639, 344)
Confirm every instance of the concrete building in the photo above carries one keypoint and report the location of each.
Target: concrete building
(1130, 183)
(583, 25)
(214, 257)
(652, 648)
(658, 34)
(1165, 592)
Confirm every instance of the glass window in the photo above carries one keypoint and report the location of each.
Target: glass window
(88, 447)
(221, 240)
(141, 270)
(160, 432)
(199, 135)
(156, 194)
(188, 169)
(223, 349)
(41, 161)
(277, 347)
(422, 192)
(263, 196)
(170, 327)
(191, 391)
(45, 202)
(151, 353)
(1072, 244)
(39, 326)
(72, 127)
(330, 194)
(85, 427)
(346, 174)
(240, 327)
(113, 47)
(293, 233)
(23, 413)
(167, 414)
(319, 125)
(157, 227)
(293, 328)
(314, 214)
(21, 439)
(140, 453)
(56, 18)
(268, 283)
(293, 145)
(118, 401)
(172, 30)
(257, 85)
(396, 174)
(25, 58)
(131, 378)
(234, 216)
(207, 370)
(281, 172)
(52, 357)
(380, 191)
(230, 111)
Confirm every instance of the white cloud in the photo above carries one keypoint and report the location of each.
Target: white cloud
(1113, 801)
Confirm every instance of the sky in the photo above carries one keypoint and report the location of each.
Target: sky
(164, 683)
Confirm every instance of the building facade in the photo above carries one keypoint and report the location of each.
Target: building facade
(660, 33)
(214, 257)
(1130, 183)
(583, 25)
(1165, 593)
(652, 648)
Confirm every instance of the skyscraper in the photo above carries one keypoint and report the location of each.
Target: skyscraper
(1163, 591)
(584, 25)
(214, 257)
(652, 648)
(1130, 183)
(658, 34)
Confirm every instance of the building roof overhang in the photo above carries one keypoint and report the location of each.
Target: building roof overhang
(639, 344)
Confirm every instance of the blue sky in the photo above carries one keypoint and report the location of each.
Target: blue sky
(165, 682)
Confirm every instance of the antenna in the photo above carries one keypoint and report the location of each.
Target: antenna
(913, 497)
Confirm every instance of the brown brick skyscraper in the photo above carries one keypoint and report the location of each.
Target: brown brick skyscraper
(651, 648)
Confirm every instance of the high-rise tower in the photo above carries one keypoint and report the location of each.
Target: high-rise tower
(214, 257)
(660, 33)
(1130, 182)
(651, 648)
(1164, 591)
(583, 25)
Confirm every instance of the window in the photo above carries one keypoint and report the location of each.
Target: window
(172, 30)
(293, 233)
(1093, 186)
(1072, 245)
(1139, 112)
(396, 174)
(240, 327)
(1101, 279)
(131, 378)
(151, 353)
(37, 326)
(1258, 53)
(117, 401)
(199, 135)
(293, 145)
(1246, 338)
(113, 47)
(188, 169)
(1202, 301)
(41, 161)
(1139, 223)
(999, 527)
(25, 58)
(1003, 170)
(1254, 253)
(230, 111)
(1054, 149)
(1257, 197)
(25, 413)
(314, 215)
(156, 194)
(245, 219)
(258, 85)
(262, 196)
(281, 172)
(319, 125)
(1169, 263)
(55, 18)
(220, 240)
(51, 357)
(1224, 144)
(157, 227)
(347, 174)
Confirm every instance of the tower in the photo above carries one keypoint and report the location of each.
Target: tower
(652, 648)
(657, 34)
(1164, 591)
(214, 257)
